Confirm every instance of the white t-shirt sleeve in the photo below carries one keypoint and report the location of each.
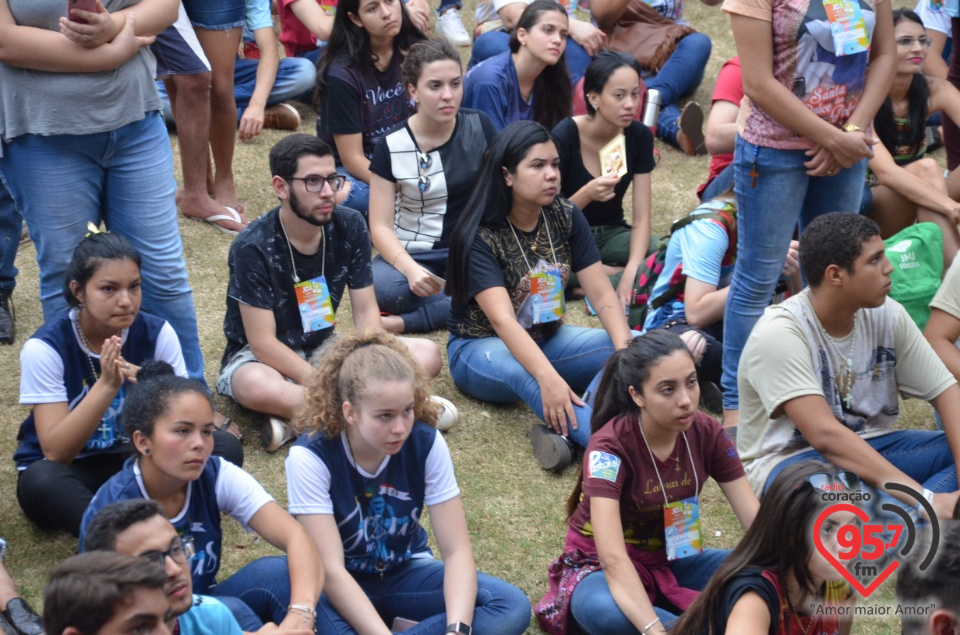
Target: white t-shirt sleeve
(41, 374)
(441, 484)
(934, 17)
(308, 483)
(168, 350)
(238, 493)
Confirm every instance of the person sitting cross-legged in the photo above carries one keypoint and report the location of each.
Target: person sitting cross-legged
(288, 272)
(821, 374)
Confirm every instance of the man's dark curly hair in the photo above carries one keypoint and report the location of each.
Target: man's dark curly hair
(833, 239)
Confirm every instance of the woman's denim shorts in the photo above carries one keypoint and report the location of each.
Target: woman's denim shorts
(215, 15)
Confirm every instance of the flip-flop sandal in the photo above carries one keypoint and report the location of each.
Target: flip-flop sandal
(229, 425)
(233, 216)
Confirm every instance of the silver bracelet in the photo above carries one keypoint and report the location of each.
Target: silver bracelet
(309, 610)
(647, 627)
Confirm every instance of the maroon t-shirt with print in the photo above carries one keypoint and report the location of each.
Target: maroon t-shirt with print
(617, 465)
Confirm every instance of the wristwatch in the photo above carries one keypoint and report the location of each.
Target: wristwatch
(459, 627)
(849, 127)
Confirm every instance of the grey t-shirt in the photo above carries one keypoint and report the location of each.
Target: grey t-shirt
(73, 103)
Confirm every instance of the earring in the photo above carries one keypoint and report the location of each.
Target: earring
(146, 451)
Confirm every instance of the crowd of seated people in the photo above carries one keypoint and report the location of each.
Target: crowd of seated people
(481, 199)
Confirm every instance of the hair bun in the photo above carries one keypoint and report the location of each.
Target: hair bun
(154, 368)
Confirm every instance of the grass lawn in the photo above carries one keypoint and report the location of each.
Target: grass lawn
(515, 511)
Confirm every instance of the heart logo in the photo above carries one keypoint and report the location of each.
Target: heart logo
(865, 591)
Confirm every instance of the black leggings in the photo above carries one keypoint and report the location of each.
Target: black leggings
(55, 496)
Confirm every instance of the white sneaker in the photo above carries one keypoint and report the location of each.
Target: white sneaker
(449, 415)
(450, 26)
(275, 433)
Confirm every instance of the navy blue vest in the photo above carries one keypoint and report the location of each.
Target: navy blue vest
(378, 518)
(78, 378)
(201, 520)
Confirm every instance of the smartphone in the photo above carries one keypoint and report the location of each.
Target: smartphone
(400, 624)
(83, 5)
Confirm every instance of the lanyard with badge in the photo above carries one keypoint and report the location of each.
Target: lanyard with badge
(681, 520)
(313, 296)
(847, 26)
(546, 301)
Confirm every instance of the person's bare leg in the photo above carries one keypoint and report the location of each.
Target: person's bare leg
(190, 100)
(392, 324)
(261, 388)
(427, 354)
(8, 590)
(220, 48)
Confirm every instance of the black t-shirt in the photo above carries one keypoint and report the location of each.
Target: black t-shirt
(363, 100)
(574, 174)
(424, 220)
(496, 260)
(749, 579)
(261, 275)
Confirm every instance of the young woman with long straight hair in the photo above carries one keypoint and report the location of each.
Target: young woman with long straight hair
(530, 81)
(360, 92)
(624, 568)
(511, 255)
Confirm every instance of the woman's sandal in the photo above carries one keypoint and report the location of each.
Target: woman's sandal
(229, 425)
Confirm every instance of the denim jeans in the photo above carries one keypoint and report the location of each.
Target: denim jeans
(10, 224)
(495, 42)
(257, 593)
(679, 76)
(295, 77)
(767, 216)
(359, 198)
(485, 369)
(923, 455)
(596, 612)
(125, 179)
(720, 184)
(420, 315)
(449, 4)
(215, 15)
(415, 591)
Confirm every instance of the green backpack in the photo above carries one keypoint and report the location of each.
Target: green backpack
(916, 254)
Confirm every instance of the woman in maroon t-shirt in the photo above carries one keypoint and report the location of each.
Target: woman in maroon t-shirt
(624, 567)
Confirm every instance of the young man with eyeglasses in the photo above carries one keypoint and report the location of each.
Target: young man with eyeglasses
(821, 374)
(103, 593)
(137, 527)
(288, 272)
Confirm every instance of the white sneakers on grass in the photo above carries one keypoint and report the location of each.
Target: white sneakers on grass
(450, 27)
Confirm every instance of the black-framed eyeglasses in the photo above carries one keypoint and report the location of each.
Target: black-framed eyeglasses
(181, 551)
(314, 183)
(907, 42)
(424, 161)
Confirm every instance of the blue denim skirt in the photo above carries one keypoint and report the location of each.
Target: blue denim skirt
(215, 15)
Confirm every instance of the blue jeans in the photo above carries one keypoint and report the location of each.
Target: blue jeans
(597, 613)
(449, 4)
(295, 77)
(359, 198)
(495, 42)
(415, 591)
(125, 179)
(923, 455)
(485, 369)
(680, 75)
(420, 315)
(10, 223)
(257, 593)
(767, 216)
(719, 185)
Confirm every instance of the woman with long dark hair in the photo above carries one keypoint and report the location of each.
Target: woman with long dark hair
(422, 174)
(775, 575)
(611, 90)
(530, 81)
(624, 568)
(511, 255)
(903, 185)
(360, 92)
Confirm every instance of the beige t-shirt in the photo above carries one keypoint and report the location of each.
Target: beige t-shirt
(788, 356)
(948, 295)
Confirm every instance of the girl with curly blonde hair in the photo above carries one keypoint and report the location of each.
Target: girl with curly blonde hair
(358, 477)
